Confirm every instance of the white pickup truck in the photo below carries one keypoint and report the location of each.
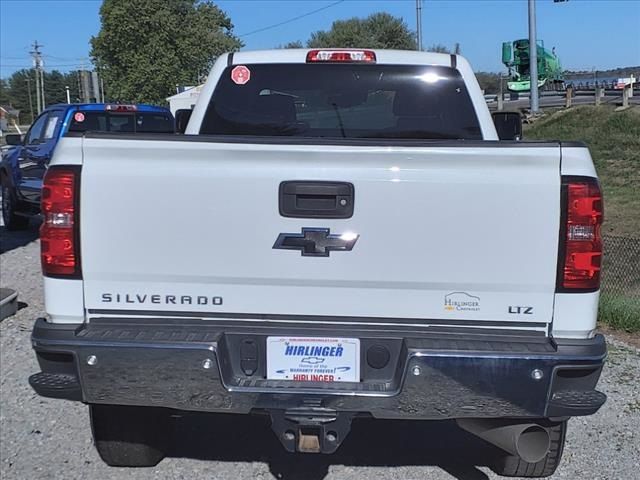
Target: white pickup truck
(340, 233)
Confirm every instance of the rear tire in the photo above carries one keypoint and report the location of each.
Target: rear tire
(130, 436)
(514, 466)
(12, 221)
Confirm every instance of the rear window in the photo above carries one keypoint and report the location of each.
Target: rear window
(343, 100)
(138, 122)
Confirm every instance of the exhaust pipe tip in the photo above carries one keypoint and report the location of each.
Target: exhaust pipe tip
(529, 441)
(533, 443)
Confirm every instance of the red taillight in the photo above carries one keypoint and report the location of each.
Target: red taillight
(346, 56)
(583, 240)
(59, 248)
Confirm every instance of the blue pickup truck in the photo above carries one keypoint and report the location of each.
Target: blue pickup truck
(24, 164)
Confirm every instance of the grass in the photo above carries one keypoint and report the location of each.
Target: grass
(614, 141)
(620, 313)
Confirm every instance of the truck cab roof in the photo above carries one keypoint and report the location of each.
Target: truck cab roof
(382, 56)
(286, 64)
(140, 107)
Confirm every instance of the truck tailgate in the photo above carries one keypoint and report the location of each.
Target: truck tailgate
(457, 235)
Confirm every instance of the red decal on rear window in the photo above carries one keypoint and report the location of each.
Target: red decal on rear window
(79, 117)
(240, 75)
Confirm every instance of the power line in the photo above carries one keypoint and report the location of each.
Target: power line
(65, 59)
(29, 65)
(291, 19)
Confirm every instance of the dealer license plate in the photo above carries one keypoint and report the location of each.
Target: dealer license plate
(313, 359)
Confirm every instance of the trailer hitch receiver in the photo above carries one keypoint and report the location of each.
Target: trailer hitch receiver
(311, 429)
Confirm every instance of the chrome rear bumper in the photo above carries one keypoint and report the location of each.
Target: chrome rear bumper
(199, 367)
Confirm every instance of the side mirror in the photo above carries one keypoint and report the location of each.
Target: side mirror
(508, 125)
(182, 119)
(13, 139)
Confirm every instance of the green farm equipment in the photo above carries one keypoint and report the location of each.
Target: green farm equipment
(515, 55)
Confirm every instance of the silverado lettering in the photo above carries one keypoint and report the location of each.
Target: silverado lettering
(160, 299)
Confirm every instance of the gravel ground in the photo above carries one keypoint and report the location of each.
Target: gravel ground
(42, 438)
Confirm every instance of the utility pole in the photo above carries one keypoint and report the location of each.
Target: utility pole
(95, 87)
(86, 86)
(28, 80)
(44, 104)
(68, 95)
(533, 59)
(39, 71)
(79, 87)
(419, 23)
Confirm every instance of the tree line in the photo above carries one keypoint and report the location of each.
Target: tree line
(19, 90)
(144, 49)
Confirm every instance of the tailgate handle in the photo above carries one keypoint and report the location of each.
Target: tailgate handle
(313, 199)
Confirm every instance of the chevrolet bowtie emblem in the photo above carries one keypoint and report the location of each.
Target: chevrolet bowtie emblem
(316, 242)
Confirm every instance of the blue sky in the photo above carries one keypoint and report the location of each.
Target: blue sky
(586, 33)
